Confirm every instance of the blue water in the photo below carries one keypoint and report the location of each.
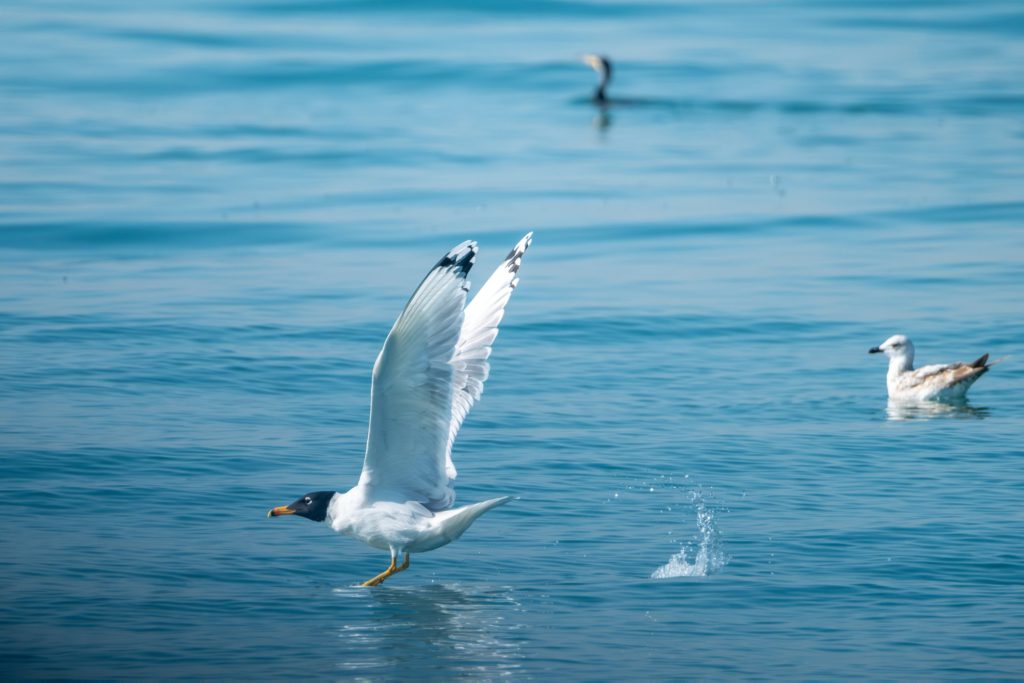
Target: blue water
(211, 213)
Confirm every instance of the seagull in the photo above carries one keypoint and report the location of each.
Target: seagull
(930, 383)
(427, 376)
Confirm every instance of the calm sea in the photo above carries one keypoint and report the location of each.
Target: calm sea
(212, 212)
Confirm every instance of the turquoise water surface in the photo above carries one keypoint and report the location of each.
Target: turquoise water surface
(212, 212)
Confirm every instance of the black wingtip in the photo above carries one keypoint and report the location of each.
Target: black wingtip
(460, 259)
(515, 256)
(980, 363)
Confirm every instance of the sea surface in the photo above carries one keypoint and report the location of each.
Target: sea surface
(212, 212)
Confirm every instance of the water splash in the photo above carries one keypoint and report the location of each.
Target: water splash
(703, 555)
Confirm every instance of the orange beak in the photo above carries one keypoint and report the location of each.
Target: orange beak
(280, 510)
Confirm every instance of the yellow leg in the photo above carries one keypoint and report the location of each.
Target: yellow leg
(405, 564)
(392, 568)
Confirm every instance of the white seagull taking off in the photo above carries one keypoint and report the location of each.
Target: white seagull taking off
(930, 383)
(427, 376)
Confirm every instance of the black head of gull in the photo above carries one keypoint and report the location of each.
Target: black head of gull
(311, 506)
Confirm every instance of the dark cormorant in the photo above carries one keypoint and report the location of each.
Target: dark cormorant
(603, 67)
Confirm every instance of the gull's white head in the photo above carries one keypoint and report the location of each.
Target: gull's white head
(897, 347)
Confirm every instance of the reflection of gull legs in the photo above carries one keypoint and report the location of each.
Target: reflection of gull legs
(392, 569)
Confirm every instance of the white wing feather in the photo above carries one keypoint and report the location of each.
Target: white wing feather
(479, 329)
(411, 394)
(428, 375)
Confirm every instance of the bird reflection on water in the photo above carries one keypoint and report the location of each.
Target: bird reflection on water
(432, 629)
(897, 410)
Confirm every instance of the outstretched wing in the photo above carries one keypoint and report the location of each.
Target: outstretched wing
(479, 329)
(411, 395)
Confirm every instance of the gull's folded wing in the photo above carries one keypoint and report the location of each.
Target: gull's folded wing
(411, 396)
(948, 375)
(479, 329)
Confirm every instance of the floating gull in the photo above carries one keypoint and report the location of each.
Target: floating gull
(930, 383)
(428, 375)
